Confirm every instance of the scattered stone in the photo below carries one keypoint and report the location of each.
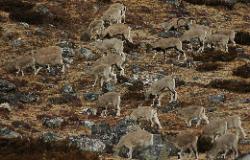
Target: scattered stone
(171, 107)
(7, 133)
(53, 122)
(87, 54)
(107, 87)
(28, 97)
(245, 141)
(72, 100)
(87, 144)
(67, 44)
(217, 98)
(17, 43)
(88, 124)
(5, 106)
(50, 137)
(204, 144)
(68, 89)
(6, 86)
(68, 52)
(246, 100)
(21, 125)
(91, 96)
(89, 111)
(16, 98)
(40, 32)
(244, 157)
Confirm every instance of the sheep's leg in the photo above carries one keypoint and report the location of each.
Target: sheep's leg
(130, 153)
(235, 149)
(224, 154)
(189, 123)
(48, 68)
(195, 151)
(180, 154)
(226, 48)
(18, 71)
(101, 82)
(22, 72)
(157, 121)
(205, 118)
(153, 104)
(173, 95)
(242, 132)
(63, 68)
(37, 71)
(118, 107)
(198, 123)
(96, 78)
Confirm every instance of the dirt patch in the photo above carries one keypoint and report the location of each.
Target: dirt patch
(242, 71)
(243, 38)
(227, 3)
(231, 85)
(29, 149)
(207, 67)
(217, 56)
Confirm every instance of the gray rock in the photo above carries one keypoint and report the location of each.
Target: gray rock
(107, 87)
(136, 68)
(17, 97)
(246, 100)
(88, 124)
(17, 43)
(28, 97)
(217, 98)
(244, 157)
(87, 54)
(40, 31)
(91, 96)
(168, 34)
(7, 133)
(89, 111)
(245, 141)
(53, 122)
(50, 137)
(68, 52)
(6, 86)
(87, 144)
(68, 89)
(67, 44)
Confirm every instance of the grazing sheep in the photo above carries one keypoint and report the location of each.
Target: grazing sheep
(235, 122)
(219, 39)
(20, 63)
(195, 32)
(167, 43)
(51, 55)
(134, 139)
(110, 99)
(193, 112)
(105, 72)
(111, 44)
(112, 59)
(160, 87)
(186, 140)
(118, 29)
(113, 16)
(225, 143)
(230, 33)
(215, 128)
(95, 29)
(120, 7)
(146, 113)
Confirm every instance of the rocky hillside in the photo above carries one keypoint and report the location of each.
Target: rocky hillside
(54, 116)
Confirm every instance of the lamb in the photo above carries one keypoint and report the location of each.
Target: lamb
(20, 63)
(113, 16)
(110, 99)
(134, 139)
(95, 29)
(111, 44)
(147, 113)
(120, 7)
(118, 29)
(186, 140)
(219, 39)
(159, 88)
(224, 143)
(166, 43)
(193, 112)
(105, 72)
(195, 32)
(51, 55)
(215, 128)
(235, 122)
(112, 59)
